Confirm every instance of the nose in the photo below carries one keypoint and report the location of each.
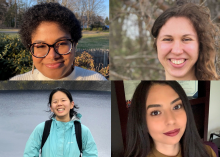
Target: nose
(177, 48)
(52, 54)
(170, 118)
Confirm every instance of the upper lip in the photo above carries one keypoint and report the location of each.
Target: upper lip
(172, 131)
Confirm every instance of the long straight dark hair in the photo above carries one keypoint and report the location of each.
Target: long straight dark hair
(139, 142)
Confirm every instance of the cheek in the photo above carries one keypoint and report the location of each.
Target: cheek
(37, 60)
(193, 50)
(163, 49)
(152, 128)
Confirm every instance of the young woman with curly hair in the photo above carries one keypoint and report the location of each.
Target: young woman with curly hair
(51, 32)
(186, 42)
(161, 123)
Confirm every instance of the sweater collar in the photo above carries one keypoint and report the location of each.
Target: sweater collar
(40, 76)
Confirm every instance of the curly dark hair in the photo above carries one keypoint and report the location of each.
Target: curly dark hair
(207, 31)
(50, 12)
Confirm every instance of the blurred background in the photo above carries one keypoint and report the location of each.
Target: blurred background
(132, 54)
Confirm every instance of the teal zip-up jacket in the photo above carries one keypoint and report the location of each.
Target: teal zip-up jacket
(61, 141)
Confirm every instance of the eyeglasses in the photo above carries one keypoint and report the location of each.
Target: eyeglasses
(61, 47)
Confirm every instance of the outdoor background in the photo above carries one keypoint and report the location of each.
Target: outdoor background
(25, 109)
(92, 51)
(132, 54)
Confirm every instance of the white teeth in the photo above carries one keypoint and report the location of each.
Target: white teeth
(60, 109)
(177, 61)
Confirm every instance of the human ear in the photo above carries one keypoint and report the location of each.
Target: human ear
(72, 104)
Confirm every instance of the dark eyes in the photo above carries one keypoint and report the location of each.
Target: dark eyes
(177, 107)
(155, 113)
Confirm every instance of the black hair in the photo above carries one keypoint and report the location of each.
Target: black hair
(139, 143)
(68, 94)
(49, 12)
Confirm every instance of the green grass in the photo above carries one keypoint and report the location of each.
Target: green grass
(94, 41)
(88, 41)
(11, 34)
(9, 29)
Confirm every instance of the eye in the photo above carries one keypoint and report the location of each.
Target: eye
(39, 46)
(155, 113)
(177, 107)
(187, 39)
(167, 39)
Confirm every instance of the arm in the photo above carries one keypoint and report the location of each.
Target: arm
(34, 142)
(88, 144)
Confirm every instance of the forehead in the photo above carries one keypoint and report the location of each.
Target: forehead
(49, 31)
(59, 94)
(161, 94)
(177, 25)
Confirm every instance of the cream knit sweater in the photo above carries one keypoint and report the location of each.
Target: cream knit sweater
(77, 74)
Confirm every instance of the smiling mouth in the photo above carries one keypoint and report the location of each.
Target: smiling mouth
(54, 65)
(177, 61)
(60, 109)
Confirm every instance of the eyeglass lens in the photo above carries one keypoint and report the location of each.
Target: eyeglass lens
(41, 49)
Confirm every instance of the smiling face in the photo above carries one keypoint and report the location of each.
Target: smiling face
(60, 106)
(178, 48)
(165, 116)
(54, 66)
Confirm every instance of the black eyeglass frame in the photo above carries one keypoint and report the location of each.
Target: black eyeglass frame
(72, 42)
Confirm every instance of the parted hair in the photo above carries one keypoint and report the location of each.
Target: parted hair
(208, 35)
(49, 12)
(139, 143)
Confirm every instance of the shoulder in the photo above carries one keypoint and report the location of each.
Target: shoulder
(210, 151)
(39, 128)
(84, 74)
(25, 76)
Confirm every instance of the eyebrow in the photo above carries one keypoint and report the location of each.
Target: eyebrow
(158, 105)
(183, 35)
(41, 41)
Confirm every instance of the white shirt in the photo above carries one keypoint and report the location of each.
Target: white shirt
(77, 74)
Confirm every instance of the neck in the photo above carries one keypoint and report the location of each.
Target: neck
(169, 150)
(63, 119)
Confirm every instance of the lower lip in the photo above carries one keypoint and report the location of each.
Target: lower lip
(53, 66)
(178, 65)
(173, 133)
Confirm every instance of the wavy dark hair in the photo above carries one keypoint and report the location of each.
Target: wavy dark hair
(139, 143)
(208, 34)
(49, 12)
(68, 94)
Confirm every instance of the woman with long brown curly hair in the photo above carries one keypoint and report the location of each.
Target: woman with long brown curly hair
(186, 42)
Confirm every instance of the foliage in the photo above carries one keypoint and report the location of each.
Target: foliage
(107, 21)
(85, 61)
(14, 58)
(105, 71)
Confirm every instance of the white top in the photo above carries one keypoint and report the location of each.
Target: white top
(77, 74)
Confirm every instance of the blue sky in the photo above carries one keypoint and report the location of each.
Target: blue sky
(106, 12)
(107, 8)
